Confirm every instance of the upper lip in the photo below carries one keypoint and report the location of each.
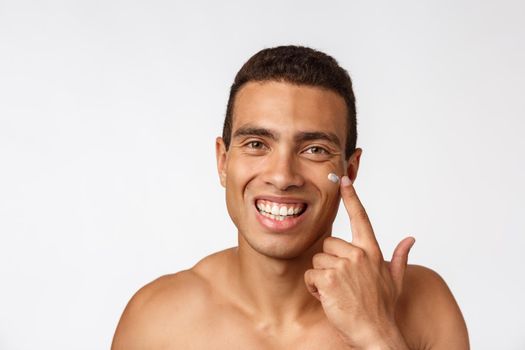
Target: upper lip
(281, 199)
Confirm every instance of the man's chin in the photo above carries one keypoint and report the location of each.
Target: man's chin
(279, 253)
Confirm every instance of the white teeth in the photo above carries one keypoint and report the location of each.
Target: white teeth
(277, 211)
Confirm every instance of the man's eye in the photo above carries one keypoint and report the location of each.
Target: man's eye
(316, 150)
(255, 144)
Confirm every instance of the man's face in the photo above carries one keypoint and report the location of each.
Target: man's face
(285, 141)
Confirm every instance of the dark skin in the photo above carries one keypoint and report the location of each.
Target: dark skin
(290, 284)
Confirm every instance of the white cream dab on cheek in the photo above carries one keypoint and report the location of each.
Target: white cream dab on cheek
(333, 177)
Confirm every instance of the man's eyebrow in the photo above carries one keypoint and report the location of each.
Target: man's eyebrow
(318, 135)
(255, 131)
(299, 137)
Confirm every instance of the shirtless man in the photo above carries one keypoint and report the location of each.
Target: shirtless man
(289, 284)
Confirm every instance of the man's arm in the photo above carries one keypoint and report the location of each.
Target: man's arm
(430, 312)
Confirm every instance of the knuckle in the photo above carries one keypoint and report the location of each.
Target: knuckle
(361, 214)
(359, 254)
(330, 277)
(343, 264)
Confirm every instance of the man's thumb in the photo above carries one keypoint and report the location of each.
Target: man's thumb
(399, 261)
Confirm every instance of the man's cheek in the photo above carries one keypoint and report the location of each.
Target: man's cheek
(332, 195)
(247, 168)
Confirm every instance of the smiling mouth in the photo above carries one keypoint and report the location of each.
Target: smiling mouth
(279, 211)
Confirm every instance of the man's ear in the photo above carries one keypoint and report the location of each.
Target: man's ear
(221, 154)
(352, 165)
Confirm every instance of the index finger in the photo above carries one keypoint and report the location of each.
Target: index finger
(362, 232)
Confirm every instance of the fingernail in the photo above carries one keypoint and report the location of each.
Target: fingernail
(345, 180)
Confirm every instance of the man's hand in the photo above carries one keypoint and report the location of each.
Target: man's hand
(356, 287)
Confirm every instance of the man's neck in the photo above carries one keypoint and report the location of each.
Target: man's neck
(273, 289)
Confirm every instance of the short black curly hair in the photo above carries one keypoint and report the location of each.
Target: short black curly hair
(297, 65)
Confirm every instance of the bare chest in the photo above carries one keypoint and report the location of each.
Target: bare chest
(229, 333)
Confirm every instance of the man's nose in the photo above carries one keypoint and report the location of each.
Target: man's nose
(283, 172)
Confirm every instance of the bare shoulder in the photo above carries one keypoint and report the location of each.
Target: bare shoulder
(429, 316)
(161, 311)
(169, 311)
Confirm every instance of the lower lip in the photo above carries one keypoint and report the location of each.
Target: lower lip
(279, 226)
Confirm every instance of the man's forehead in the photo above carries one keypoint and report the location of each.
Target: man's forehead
(259, 92)
(289, 108)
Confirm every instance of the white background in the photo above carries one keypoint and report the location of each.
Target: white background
(108, 114)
